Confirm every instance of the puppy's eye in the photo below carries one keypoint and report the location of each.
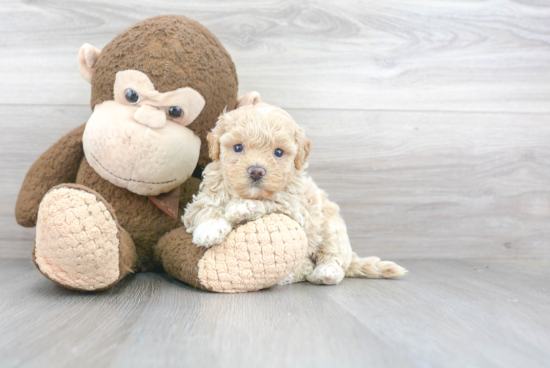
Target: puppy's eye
(175, 111)
(131, 96)
(238, 148)
(279, 152)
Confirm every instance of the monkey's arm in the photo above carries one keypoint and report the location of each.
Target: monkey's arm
(59, 164)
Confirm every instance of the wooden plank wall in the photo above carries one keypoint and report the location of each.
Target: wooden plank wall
(430, 119)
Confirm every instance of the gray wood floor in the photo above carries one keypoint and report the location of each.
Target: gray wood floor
(453, 313)
(431, 128)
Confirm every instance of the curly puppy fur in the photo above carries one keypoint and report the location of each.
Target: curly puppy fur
(230, 195)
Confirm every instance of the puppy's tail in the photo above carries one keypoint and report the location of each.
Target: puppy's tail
(373, 268)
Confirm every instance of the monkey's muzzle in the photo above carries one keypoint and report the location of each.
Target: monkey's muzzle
(145, 158)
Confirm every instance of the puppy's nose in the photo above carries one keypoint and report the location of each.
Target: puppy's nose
(256, 172)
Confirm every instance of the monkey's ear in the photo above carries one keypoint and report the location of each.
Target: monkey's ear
(304, 146)
(213, 138)
(251, 98)
(87, 56)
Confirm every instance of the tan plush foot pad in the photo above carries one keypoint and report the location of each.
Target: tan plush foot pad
(254, 256)
(76, 240)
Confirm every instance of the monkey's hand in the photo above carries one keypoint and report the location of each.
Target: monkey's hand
(211, 232)
(240, 210)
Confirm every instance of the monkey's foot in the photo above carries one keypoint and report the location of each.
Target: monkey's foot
(78, 240)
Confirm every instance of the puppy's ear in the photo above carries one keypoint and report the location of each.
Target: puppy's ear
(304, 146)
(213, 138)
(251, 98)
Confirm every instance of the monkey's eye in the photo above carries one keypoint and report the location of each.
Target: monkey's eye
(175, 111)
(238, 148)
(279, 153)
(132, 96)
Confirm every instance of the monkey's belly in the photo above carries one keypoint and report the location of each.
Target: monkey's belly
(144, 221)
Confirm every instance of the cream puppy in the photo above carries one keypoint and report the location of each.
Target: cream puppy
(259, 165)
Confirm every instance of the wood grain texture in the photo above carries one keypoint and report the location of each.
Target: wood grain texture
(443, 314)
(409, 184)
(431, 130)
(429, 119)
(350, 54)
(436, 185)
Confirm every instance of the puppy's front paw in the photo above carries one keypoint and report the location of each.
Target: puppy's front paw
(247, 210)
(211, 232)
(327, 274)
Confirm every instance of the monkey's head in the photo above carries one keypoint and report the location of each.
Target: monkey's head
(157, 90)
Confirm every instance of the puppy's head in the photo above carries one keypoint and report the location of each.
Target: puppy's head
(260, 149)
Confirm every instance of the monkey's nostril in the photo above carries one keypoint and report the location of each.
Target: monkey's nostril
(256, 172)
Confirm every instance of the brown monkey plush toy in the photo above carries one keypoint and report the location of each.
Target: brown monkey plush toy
(107, 197)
